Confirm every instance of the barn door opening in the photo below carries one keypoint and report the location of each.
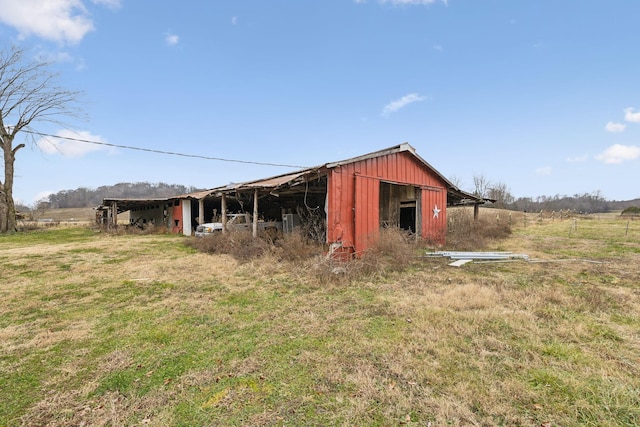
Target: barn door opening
(399, 206)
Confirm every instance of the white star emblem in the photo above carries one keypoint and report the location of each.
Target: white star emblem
(436, 212)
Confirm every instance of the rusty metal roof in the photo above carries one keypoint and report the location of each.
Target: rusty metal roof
(270, 183)
(456, 195)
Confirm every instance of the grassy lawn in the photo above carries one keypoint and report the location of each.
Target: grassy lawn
(111, 330)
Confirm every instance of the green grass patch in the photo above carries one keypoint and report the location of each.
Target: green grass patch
(140, 329)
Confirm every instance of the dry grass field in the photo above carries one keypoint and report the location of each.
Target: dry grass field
(98, 329)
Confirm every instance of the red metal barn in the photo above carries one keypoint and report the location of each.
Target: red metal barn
(346, 203)
(393, 187)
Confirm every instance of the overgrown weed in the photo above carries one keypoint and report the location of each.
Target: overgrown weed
(395, 250)
(466, 233)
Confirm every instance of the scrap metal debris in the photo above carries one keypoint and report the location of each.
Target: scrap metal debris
(461, 258)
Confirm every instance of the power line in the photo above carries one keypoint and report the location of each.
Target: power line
(171, 153)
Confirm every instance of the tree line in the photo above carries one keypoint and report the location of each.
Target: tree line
(594, 202)
(86, 197)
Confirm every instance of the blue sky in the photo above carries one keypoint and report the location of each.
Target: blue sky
(542, 96)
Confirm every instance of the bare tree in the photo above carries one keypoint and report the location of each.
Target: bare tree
(481, 185)
(501, 194)
(40, 207)
(28, 95)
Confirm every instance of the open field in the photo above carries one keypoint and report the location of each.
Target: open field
(111, 330)
(67, 215)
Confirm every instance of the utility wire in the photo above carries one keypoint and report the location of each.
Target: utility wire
(171, 153)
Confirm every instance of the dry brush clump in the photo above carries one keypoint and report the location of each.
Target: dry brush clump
(466, 233)
(393, 250)
(242, 246)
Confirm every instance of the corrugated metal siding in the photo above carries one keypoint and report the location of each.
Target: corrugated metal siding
(176, 215)
(366, 211)
(434, 228)
(354, 192)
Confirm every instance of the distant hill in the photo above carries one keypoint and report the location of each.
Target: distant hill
(86, 197)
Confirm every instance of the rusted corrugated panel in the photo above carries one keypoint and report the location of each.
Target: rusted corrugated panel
(276, 181)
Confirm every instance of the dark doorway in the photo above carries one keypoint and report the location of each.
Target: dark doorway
(408, 216)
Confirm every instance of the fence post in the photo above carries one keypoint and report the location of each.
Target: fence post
(626, 232)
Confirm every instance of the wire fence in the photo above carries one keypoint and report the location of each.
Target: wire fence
(577, 224)
(584, 225)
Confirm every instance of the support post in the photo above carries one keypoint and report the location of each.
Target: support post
(476, 210)
(255, 213)
(200, 211)
(223, 207)
(114, 213)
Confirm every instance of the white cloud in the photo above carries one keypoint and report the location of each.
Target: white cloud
(394, 106)
(630, 116)
(172, 39)
(578, 159)
(545, 171)
(58, 20)
(619, 153)
(62, 21)
(73, 146)
(234, 20)
(615, 127)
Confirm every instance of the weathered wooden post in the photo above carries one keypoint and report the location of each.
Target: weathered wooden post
(114, 214)
(255, 213)
(223, 207)
(201, 211)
